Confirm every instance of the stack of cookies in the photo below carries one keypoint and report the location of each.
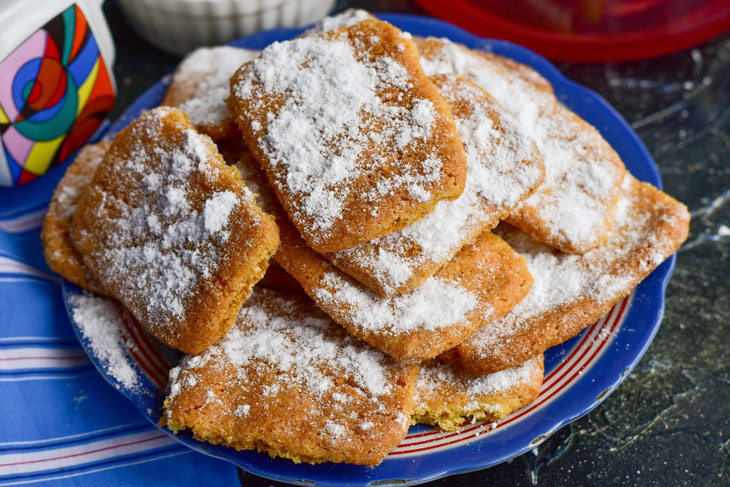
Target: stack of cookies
(354, 231)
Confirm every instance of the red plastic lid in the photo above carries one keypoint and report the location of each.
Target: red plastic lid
(590, 30)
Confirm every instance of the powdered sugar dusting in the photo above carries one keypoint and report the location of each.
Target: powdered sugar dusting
(635, 247)
(436, 304)
(333, 119)
(100, 323)
(582, 173)
(500, 171)
(209, 108)
(211, 67)
(69, 188)
(435, 375)
(156, 236)
(242, 410)
(302, 346)
(217, 210)
(203, 76)
(347, 18)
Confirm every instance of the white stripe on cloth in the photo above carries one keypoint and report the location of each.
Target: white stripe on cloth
(78, 436)
(25, 222)
(70, 456)
(10, 266)
(24, 358)
(95, 470)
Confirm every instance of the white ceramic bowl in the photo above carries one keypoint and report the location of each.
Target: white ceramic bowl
(179, 26)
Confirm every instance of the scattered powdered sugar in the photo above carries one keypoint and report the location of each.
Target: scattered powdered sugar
(69, 188)
(582, 173)
(217, 210)
(436, 304)
(211, 67)
(499, 173)
(349, 17)
(154, 235)
(209, 108)
(242, 411)
(100, 323)
(332, 118)
(602, 274)
(435, 375)
(335, 430)
(206, 71)
(299, 346)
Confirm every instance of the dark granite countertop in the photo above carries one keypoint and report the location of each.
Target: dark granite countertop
(669, 422)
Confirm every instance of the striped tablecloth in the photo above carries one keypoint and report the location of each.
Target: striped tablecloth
(61, 424)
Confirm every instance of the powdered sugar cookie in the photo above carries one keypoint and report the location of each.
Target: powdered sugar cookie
(200, 87)
(574, 207)
(171, 231)
(353, 137)
(448, 397)
(503, 168)
(288, 381)
(60, 254)
(482, 282)
(573, 291)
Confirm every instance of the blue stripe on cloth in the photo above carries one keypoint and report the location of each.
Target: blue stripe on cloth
(19, 276)
(42, 417)
(33, 308)
(39, 342)
(25, 247)
(61, 441)
(50, 373)
(90, 466)
(65, 426)
(45, 409)
(181, 468)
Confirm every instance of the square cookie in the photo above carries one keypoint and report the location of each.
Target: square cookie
(503, 167)
(200, 87)
(481, 283)
(571, 292)
(172, 232)
(574, 208)
(60, 254)
(448, 397)
(353, 137)
(288, 381)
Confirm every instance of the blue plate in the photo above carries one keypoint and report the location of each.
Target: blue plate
(579, 373)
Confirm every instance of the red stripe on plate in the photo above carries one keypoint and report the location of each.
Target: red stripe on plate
(545, 395)
(134, 330)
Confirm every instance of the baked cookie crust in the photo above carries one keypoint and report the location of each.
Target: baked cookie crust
(172, 232)
(353, 137)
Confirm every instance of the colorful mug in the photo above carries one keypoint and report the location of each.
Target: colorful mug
(56, 83)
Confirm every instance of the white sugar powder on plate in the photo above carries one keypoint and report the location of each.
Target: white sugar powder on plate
(100, 323)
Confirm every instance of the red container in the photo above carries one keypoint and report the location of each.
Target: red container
(590, 30)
